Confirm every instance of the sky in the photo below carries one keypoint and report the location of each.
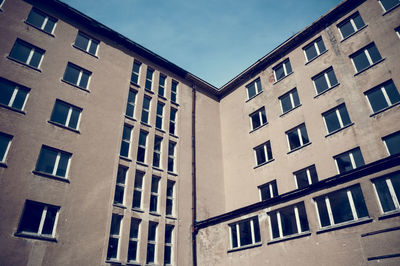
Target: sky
(213, 39)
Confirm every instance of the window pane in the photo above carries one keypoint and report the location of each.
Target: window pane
(6, 91)
(255, 120)
(71, 74)
(384, 195)
(358, 21)
(260, 154)
(167, 254)
(303, 217)
(274, 225)
(168, 210)
(296, 99)
(265, 192)
(245, 233)
(344, 115)
(359, 202)
(279, 73)
(50, 25)
(124, 149)
(388, 4)
(294, 139)
(313, 174)
(288, 67)
(93, 47)
(31, 217)
(60, 113)
(62, 165)
(396, 185)
(81, 41)
(257, 236)
(47, 159)
(346, 29)
(35, 18)
(134, 233)
(344, 163)
(153, 203)
(4, 142)
(323, 212)
(288, 221)
(392, 92)
(340, 206)
(19, 98)
(73, 121)
(137, 195)
(150, 253)
(152, 231)
(377, 100)
(311, 52)
(35, 60)
(132, 251)
(393, 143)
(304, 134)
(332, 77)
(358, 159)
(321, 45)
(374, 53)
(115, 224)
(251, 89)
(360, 61)
(141, 154)
(302, 179)
(286, 103)
(20, 52)
(320, 83)
(119, 194)
(84, 79)
(126, 133)
(332, 121)
(112, 248)
(49, 221)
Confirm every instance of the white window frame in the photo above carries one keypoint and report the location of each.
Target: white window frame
(270, 186)
(383, 8)
(396, 201)
(259, 114)
(352, 23)
(160, 116)
(299, 135)
(264, 147)
(258, 88)
(156, 151)
(397, 30)
(290, 94)
(155, 194)
(70, 109)
(90, 41)
(174, 91)
(172, 156)
(338, 116)
(351, 156)
(283, 64)
(143, 146)
(171, 198)
(253, 237)
(17, 88)
(366, 52)
(138, 189)
(388, 136)
(56, 163)
(3, 160)
(136, 73)
(1, 3)
(136, 240)
(32, 51)
(173, 121)
(326, 77)
(150, 80)
(385, 95)
(308, 173)
(313, 43)
(146, 110)
(78, 81)
(46, 19)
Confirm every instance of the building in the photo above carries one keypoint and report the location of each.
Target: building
(112, 155)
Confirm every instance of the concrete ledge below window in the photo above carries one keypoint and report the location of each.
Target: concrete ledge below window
(389, 215)
(172, 173)
(114, 262)
(4, 165)
(384, 257)
(245, 247)
(253, 96)
(162, 97)
(365, 69)
(338, 130)
(344, 225)
(137, 210)
(12, 108)
(135, 84)
(74, 85)
(251, 131)
(160, 130)
(283, 78)
(33, 26)
(299, 148)
(119, 205)
(173, 135)
(290, 110)
(393, 8)
(316, 57)
(86, 52)
(175, 103)
(381, 231)
(158, 169)
(148, 91)
(24, 64)
(145, 124)
(33, 236)
(51, 176)
(142, 164)
(133, 263)
(291, 237)
(125, 158)
(264, 163)
(354, 33)
(170, 217)
(154, 213)
(325, 91)
(64, 127)
(130, 118)
(384, 109)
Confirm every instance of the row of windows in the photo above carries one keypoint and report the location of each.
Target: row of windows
(138, 191)
(333, 209)
(345, 162)
(134, 241)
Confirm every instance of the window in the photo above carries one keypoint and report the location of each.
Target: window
(155, 181)
(288, 221)
(258, 118)
(383, 96)
(254, 88)
(169, 209)
(135, 72)
(138, 190)
(66, 114)
(171, 156)
(159, 116)
(86, 43)
(245, 233)
(126, 142)
(157, 151)
(392, 143)
(349, 160)
(289, 100)
(149, 79)
(1, 4)
(172, 121)
(113, 241)
(38, 219)
(26, 53)
(336, 118)
(306, 177)
(5, 142)
(146, 110)
(397, 31)
(325, 80)
(134, 239)
(141, 155)
(120, 185)
(314, 49)
(130, 106)
(53, 162)
(263, 153)
(174, 91)
(41, 21)
(389, 4)
(151, 242)
(341, 206)
(350, 25)
(168, 244)
(77, 76)
(161, 85)
(12, 94)
(365, 57)
(297, 137)
(282, 70)
(388, 190)
(268, 190)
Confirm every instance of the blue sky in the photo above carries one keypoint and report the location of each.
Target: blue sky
(213, 39)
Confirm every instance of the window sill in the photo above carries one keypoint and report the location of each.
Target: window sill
(4, 165)
(172, 173)
(51, 176)
(162, 97)
(324, 52)
(24, 64)
(290, 110)
(253, 96)
(12, 108)
(251, 131)
(74, 85)
(170, 217)
(173, 135)
(148, 91)
(145, 124)
(133, 263)
(115, 262)
(291, 237)
(175, 103)
(344, 225)
(389, 214)
(137, 210)
(299, 148)
(354, 33)
(86, 52)
(135, 84)
(39, 29)
(384, 109)
(157, 169)
(35, 236)
(264, 163)
(393, 8)
(259, 244)
(142, 164)
(154, 213)
(119, 205)
(125, 158)
(282, 78)
(365, 69)
(325, 91)
(64, 127)
(338, 130)
(160, 130)
(130, 118)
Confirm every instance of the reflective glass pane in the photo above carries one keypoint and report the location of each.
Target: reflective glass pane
(134, 233)
(393, 143)
(93, 47)
(320, 83)
(168, 209)
(274, 225)
(20, 52)
(296, 99)
(358, 21)
(167, 254)
(251, 89)
(137, 196)
(321, 45)
(63, 164)
(47, 159)
(145, 116)
(139, 180)
(49, 221)
(153, 203)
(294, 139)
(152, 231)
(360, 61)
(359, 202)
(19, 98)
(50, 25)
(344, 115)
(374, 53)
(142, 138)
(304, 134)
(84, 79)
(340, 206)
(260, 154)
(279, 73)
(302, 179)
(332, 121)
(395, 179)
(60, 113)
(31, 217)
(112, 248)
(4, 142)
(288, 221)
(35, 60)
(255, 120)
(73, 120)
(6, 91)
(323, 212)
(358, 158)
(344, 163)
(377, 100)
(346, 29)
(245, 233)
(81, 41)
(35, 18)
(150, 253)
(124, 149)
(388, 4)
(286, 103)
(170, 164)
(71, 74)
(141, 154)
(311, 52)
(288, 67)
(332, 77)
(265, 192)
(392, 92)
(132, 250)
(257, 236)
(119, 194)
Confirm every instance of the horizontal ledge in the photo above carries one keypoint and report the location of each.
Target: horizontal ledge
(263, 125)
(33, 26)
(290, 110)
(291, 237)
(340, 129)
(58, 178)
(381, 231)
(325, 91)
(314, 58)
(74, 85)
(12, 109)
(245, 247)
(264, 163)
(384, 109)
(354, 33)
(344, 225)
(365, 69)
(34, 236)
(283, 78)
(299, 148)
(86, 52)
(384, 257)
(64, 127)
(253, 96)
(24, 64)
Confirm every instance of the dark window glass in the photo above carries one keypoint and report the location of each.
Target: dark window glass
(389, 4)
(71, 74)
(340, 206)
(31, 218)
(245, 233)
(323, 212)
(288, 221)
(135, 72)
(112, 248)
(359, 202)
(393, 143)
(132, 251)
(60, 113)
(234, 236)
(20, 52)
(47, 159)
(49, 221)
(274, 225)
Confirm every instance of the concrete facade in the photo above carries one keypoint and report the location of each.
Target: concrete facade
(215, 171)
